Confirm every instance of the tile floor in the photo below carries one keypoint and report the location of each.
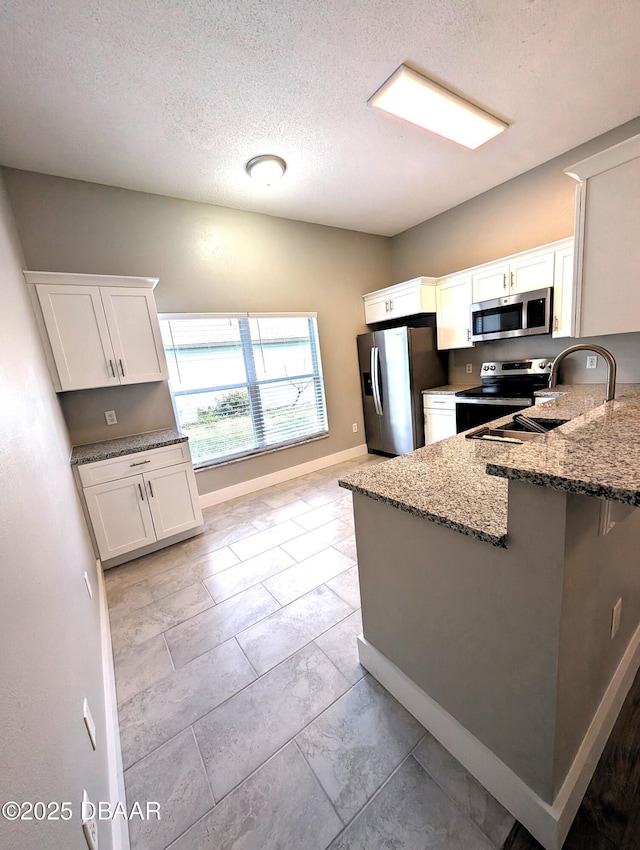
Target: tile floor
(243, 709)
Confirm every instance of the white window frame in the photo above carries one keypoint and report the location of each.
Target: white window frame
(252, 384)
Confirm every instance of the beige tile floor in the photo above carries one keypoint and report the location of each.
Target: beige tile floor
(243, 709)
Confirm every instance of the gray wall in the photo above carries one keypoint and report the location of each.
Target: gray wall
(533, 209)
(50, 643)
(599, 570)
(513, 643)
(210, 259)
(530, 210)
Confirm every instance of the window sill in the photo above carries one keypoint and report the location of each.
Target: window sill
(213, 464)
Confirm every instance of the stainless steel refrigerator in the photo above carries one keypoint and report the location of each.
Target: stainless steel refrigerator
(395, 366)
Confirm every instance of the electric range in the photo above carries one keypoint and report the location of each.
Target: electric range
(506, 387)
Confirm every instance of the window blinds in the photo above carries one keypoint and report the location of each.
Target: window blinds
(244, 384)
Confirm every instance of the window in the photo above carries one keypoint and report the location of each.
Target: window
(244, 384)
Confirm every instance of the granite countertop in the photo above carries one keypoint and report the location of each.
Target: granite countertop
(450, 389)
(461, 484)
(596, 453)
(126, 445)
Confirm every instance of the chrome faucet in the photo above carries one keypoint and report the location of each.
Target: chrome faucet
(596, 349)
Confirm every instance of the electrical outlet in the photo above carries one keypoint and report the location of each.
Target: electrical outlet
(110, 416)
(89, 723)
(355, 428)
(469, 368)
(616, 613)
(592, 361)
(89, 824)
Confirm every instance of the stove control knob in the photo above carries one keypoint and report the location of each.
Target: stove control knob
(485, 368)
(492, 367)
(543, 365)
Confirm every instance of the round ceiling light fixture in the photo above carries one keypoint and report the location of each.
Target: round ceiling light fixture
(266, 169)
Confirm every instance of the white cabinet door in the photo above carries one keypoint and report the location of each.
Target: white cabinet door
(135, 333)
(531, 272)
(77, 330)
(438, 425)
(173, 499)
(376, 310)
(453, 323)
(490, 283)
(406, 303)
(120, 516)
(563, 324)
(607, 228)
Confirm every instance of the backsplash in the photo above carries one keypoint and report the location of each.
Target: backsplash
(138, 407)
(624, 347)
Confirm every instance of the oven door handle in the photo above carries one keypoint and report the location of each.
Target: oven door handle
(375, 379)
(502, 402)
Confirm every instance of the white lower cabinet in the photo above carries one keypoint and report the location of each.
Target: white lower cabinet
(137, 510)
(173, 499)
(439, 418)
(120, 516)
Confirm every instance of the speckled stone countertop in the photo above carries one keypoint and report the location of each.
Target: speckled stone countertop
(596, 453)
(448, 483)
(445, 483)
(126, 445)
(450, 389)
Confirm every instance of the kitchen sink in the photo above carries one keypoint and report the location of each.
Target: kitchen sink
(513, 432)
(547, 424)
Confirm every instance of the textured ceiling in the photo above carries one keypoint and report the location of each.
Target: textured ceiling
(174, 96)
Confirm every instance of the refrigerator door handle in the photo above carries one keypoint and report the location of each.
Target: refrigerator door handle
(375, 379)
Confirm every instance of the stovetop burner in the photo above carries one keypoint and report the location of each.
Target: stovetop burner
(512, 379)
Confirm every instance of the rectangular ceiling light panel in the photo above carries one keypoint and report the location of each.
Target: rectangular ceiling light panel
(409, 95)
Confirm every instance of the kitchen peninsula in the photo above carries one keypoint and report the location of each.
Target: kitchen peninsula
(500, 599)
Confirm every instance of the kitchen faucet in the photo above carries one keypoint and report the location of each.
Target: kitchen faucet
(596, 349)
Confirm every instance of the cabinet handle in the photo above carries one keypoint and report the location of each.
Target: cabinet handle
(113, 371)
(512, 279)
(386, 306)
(141, 493)
(390, 305)
(140, 463)
(468, 335)
(556, 323)
(121, 367)
(150, 488)
(504, 280)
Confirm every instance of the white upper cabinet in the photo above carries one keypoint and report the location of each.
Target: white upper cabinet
(403, 299)
(77, 330)
(520, 273)
(99, 335)
(531, 271)
(540, 268)
(132, 319)
(453, 320)
(490, 282)
(563, 313)
(607, 243)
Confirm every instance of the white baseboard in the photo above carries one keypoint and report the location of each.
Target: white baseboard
(215, 497)
(119, 829)
(548, 823)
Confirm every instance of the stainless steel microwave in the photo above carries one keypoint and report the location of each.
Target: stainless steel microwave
(512, 315)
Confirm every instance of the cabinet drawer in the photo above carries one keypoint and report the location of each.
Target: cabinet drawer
(439, 402)
(132, 464)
